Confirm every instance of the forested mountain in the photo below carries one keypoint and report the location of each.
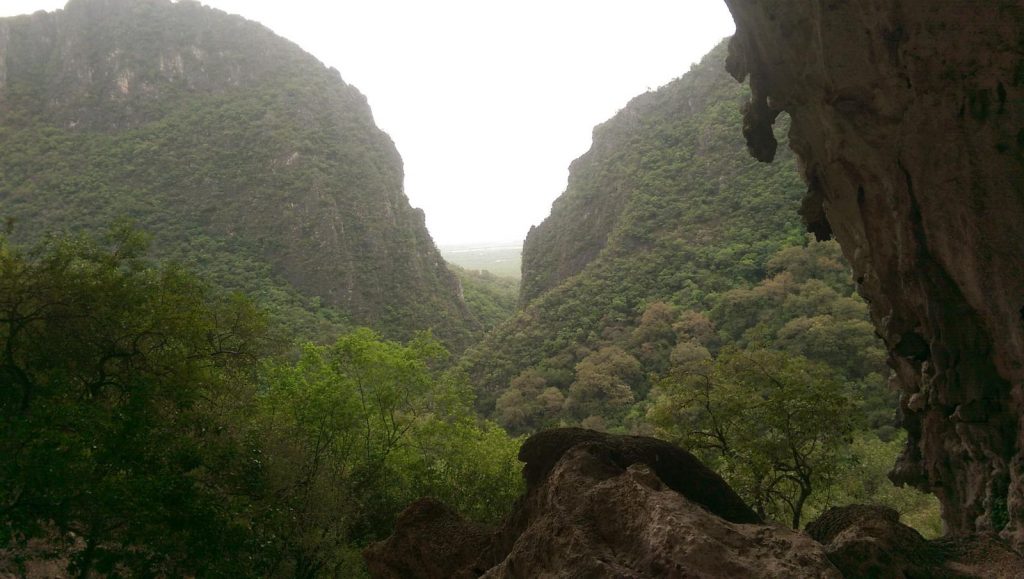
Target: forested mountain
(666, 173)
(491, 298)
(666, 206)
(239, 153)
(672, 291)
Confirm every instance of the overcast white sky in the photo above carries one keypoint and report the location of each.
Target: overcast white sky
(489, 101)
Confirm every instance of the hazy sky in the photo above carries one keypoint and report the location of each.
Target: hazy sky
(489, 101)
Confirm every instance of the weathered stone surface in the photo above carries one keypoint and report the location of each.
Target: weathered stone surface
(430, 540)
(869, 541)
(909, 119)
(675, 467)
(596, 507)
(981, 556)
(591, 518)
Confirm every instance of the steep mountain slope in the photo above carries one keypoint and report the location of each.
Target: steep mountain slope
(665, 206)
(664, 155)
(237, 151)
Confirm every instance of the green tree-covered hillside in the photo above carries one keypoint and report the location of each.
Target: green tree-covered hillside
(666, 206)
(672, 291)
(491, 298)
(241, 154)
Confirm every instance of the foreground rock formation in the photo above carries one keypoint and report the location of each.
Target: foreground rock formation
(869, 541)
(598, 505)
(909, 119)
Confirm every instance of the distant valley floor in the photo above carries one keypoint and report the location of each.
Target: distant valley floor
(502, 258)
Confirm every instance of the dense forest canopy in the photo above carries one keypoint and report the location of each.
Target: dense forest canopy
(152, 424)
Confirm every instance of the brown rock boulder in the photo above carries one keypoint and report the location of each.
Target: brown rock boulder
(593, 518)
(430, 540)
(599, 505)
(678, 469)
(869, 541)
(981, 556)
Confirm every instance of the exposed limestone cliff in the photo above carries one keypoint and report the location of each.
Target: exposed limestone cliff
(909, 118)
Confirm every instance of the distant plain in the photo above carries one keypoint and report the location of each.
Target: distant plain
(501, 258)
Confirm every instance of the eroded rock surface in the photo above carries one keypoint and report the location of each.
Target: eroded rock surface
(676, 468)
(596, 506)
(430, 540)
(869, 541)
(909, 119)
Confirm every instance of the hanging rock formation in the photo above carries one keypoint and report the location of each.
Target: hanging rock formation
(909, 119)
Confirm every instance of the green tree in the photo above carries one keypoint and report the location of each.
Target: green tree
(113, 374)
(821, 261)
(697, 327)
(147, 424)
(867, 481)
(353, 432)
(776, 426)
(605, 383)
(654, 336)
(528, 403)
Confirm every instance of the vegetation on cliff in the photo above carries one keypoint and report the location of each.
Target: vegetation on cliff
(242, 155)
(704, 251)
(685, 215)
(671, 265)
(490, 298)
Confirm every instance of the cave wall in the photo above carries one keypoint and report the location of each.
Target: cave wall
(908, 116)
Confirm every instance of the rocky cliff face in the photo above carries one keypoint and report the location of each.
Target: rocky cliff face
(238, 151)
(584, 216)
(909, 119)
